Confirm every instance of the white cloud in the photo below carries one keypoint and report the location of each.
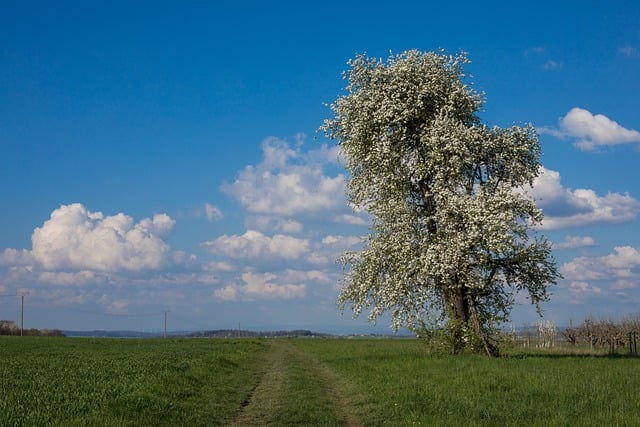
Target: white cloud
(290, 226)
(215, 266)
(565, 208)
(290, 182)
(257, 246)
(77, 247)
(574, 242)
(212, 212)
(591, 131)
(579, 291)
(64, 278)
(15, 257)
(612, 275)
(270, 223)
(260, 286)
(341, 243)
(77, 239)
(624, 259)
(623, 263)
(228, 293)
(352, 219)
(118, 306)
(583, 268)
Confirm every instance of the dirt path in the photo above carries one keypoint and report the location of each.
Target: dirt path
(296, 389)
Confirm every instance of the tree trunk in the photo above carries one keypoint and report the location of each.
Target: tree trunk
(459, 320)
(465, 315)
(490, 349)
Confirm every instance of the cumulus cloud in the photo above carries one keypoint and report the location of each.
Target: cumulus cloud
(565, 208)
(591, 131)
(218, 266)
(623, 263)
(256, 245)
(78, 239)
(260, 286)
(614, 273)
(15, 257)
(575, 242)
(623, 260)
(290, 182)
(64, 278)
(579, 291)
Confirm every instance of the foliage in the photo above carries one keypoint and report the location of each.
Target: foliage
(451, 219)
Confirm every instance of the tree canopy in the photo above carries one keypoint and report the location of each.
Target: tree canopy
(452, 239)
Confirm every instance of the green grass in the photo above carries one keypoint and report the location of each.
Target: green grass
(114, 382)
(296, 390)
(325, 382)
(398, 383)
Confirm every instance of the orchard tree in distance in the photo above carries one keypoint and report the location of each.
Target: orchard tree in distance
(452, 239)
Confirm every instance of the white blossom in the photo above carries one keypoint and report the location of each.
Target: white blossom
(450, 217)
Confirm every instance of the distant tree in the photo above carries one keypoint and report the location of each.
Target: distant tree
(604, 333)
(449, 243)
(546, 331)
(8, 327)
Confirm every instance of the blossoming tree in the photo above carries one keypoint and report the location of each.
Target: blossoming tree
(452, 239)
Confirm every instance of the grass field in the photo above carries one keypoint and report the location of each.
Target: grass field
(325, 382)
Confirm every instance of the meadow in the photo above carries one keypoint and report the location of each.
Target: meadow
(325, 382)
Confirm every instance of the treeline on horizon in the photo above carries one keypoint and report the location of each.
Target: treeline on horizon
(9, 327)
(596, 333)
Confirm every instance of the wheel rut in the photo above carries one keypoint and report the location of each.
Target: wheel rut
(295, 389)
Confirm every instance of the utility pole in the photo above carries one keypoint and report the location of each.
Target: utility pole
(22, 295)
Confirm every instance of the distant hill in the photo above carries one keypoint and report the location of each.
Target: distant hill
(112, 334)
(220, 333)
(236, 333)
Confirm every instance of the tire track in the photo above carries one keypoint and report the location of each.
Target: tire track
(296, 388)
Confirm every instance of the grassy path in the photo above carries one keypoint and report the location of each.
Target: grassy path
(296, 389)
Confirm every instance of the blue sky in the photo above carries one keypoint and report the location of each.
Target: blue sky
(163, 156)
